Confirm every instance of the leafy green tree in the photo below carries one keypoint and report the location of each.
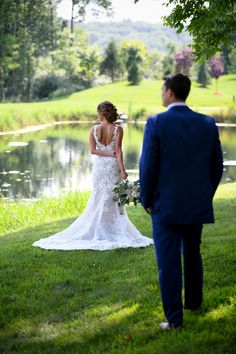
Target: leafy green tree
(168, 66)
(8, 46)
(67, 56)
(148, 63)
(112, 64)
(229, 57)
(88, 67)
(135, 56)
(134, 60)
(203, 77)
(134, 74)
(27, 30)
(45, 85)
(153, 65)
(30, 30)
(210, 23)
(76, 66)
(78, 9)
(232, 58)
(9, 63)
(226, 56)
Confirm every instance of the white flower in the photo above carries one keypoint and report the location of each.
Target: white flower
(134, 194)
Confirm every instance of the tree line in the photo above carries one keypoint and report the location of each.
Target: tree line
(210, 23)
(43, 56)
(141, 63)
(30, 30)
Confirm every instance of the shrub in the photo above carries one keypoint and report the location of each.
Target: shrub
(65, 91)
(45, 85)
(228, 116)
(139, 114)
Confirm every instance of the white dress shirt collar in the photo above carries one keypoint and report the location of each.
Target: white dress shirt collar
(176, 104)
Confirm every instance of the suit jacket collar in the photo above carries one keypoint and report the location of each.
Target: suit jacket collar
(177, 104)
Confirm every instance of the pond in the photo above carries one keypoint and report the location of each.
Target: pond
(55, 160)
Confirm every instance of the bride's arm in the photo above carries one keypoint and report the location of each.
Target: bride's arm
(94, 151)
(119, 153)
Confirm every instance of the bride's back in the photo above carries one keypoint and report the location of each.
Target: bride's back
(105, 133)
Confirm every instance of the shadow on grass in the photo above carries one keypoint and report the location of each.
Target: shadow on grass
(109, 301)
(203, 87)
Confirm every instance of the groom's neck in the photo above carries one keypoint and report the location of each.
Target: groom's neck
(176, 100)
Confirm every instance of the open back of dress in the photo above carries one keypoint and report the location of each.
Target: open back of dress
(102, 225)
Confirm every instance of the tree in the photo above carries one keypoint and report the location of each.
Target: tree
(184, 60)
(88, 67)
(135, 55)
(153, 66)
(27, 29)
(232, 58)
(133, 61)
(77, 65)
(30, 30)
(203, 75)
(168, 60)
(111, 65)
(45, 85)
(134, 74)
(216, 64)
(226, 57)
(78, 9)
(229, 57)
(210, 23)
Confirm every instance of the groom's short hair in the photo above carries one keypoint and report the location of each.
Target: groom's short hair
(180, 84)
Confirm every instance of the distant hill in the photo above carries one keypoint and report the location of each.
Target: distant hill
(155, 36)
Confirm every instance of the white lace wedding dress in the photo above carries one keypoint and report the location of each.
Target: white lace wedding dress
(101, 226)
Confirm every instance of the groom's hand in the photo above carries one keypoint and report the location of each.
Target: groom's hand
(149, 210)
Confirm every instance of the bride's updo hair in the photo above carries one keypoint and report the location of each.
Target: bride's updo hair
(108, 109)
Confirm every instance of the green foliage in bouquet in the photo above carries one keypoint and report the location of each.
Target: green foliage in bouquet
(126, 192)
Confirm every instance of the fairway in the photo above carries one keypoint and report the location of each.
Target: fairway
(129, 99)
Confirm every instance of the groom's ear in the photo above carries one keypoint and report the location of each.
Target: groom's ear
(169, 93)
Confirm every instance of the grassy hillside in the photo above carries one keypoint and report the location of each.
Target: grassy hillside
(129, 99)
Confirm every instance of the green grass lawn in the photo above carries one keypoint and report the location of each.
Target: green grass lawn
(107, 302)
(129, 99)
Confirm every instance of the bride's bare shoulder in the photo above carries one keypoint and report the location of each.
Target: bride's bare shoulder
(95, 126)
(119, 128)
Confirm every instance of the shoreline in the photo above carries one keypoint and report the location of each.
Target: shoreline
(34, 128)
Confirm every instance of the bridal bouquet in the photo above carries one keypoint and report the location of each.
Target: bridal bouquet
(126, 192)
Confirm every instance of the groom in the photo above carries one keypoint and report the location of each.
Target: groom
(180, 168)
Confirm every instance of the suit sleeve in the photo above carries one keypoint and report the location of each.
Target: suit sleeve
(149, 163)
(216, 162)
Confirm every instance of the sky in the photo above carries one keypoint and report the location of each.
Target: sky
(145, 10)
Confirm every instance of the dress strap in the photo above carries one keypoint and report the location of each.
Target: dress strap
(95, 132)
(115, 132)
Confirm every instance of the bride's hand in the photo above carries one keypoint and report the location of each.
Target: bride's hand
(123, 175)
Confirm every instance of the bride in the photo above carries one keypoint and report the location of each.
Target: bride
(101, 226)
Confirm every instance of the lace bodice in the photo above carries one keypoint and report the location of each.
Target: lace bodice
(105, 166)
(104, 147)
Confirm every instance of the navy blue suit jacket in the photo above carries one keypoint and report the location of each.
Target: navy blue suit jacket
(180, 166)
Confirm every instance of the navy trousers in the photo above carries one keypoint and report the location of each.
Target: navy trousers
(169, 241)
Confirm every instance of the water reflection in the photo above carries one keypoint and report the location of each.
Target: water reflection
(48, 163)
